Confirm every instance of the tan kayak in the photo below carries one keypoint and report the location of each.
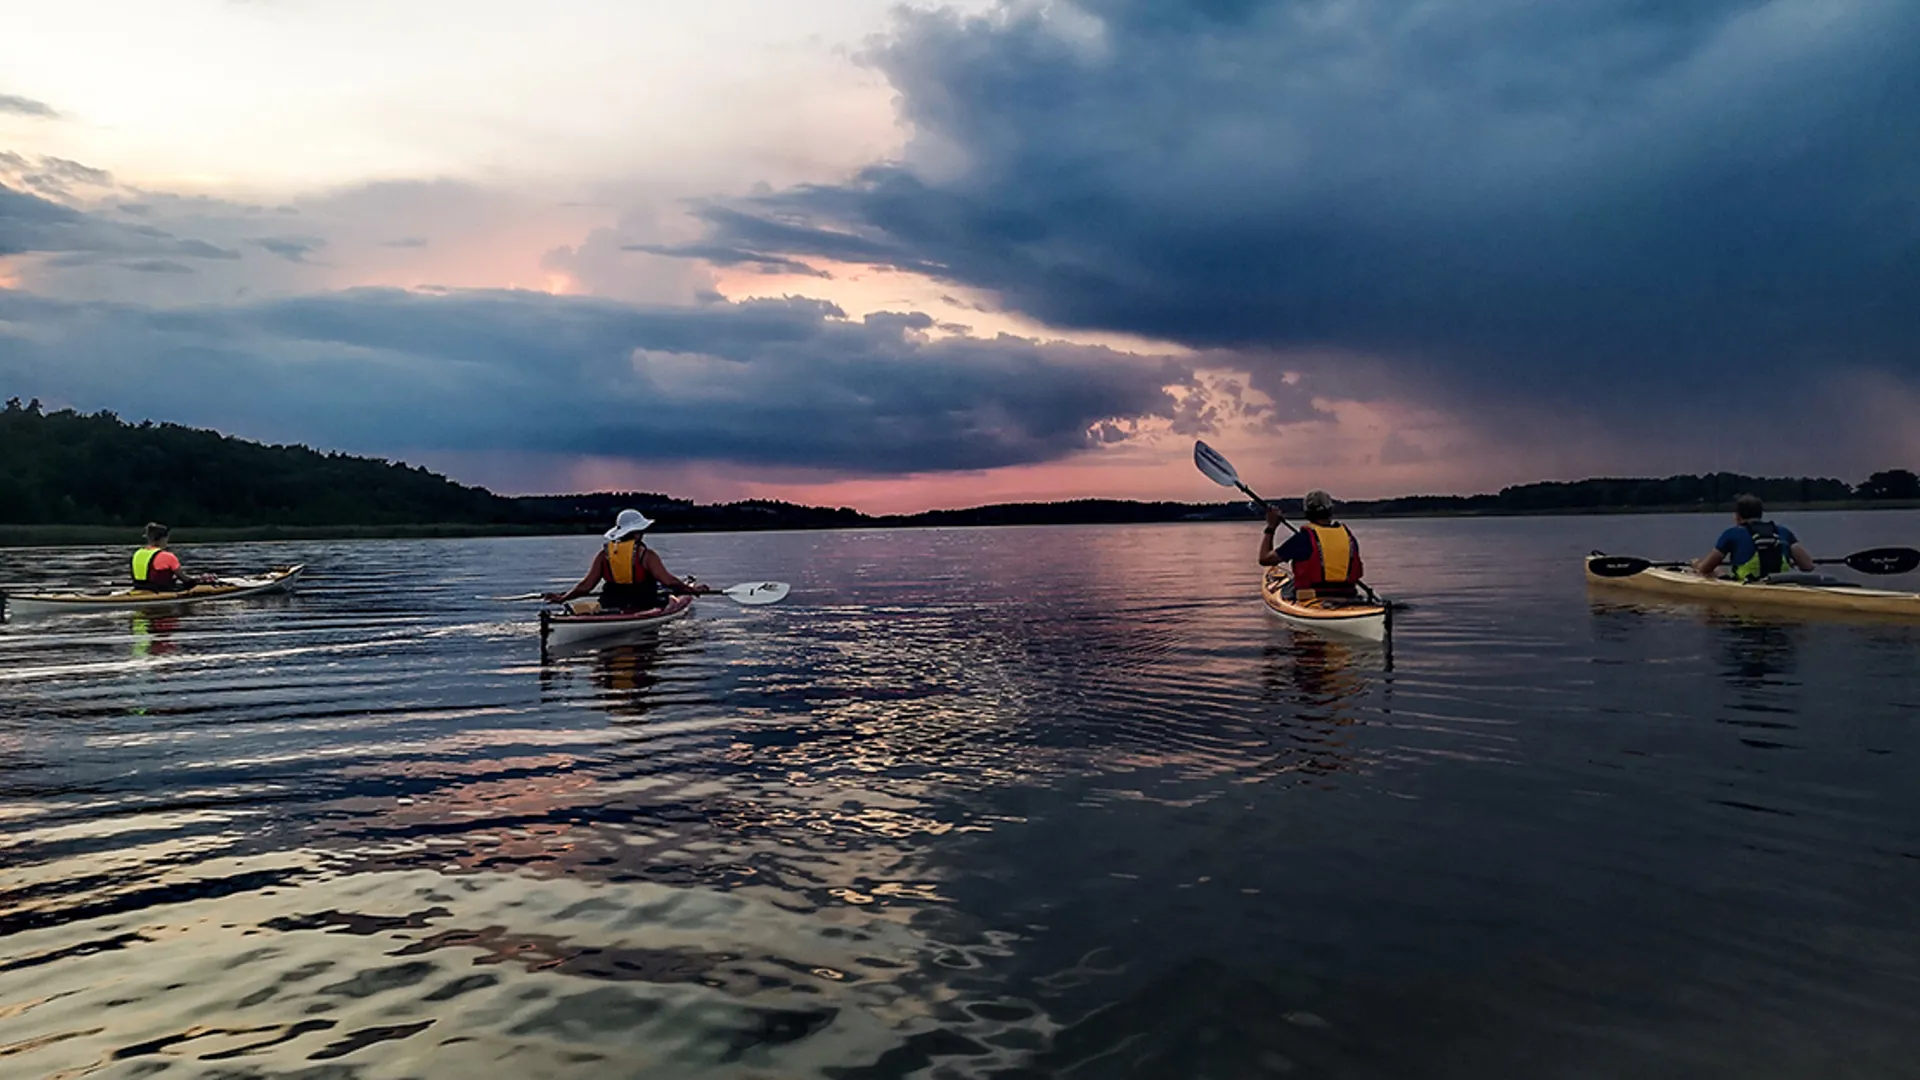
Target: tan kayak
(280, 580)
(1355, 618)
(1683, 584)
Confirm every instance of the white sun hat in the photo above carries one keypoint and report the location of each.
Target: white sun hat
(629, 521)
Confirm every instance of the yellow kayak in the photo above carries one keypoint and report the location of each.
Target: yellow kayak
(279, 580)
(1681, 583)
(1355, 618)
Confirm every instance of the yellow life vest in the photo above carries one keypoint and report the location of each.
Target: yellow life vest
(143, 564)
(626, 562)
(1333, 562)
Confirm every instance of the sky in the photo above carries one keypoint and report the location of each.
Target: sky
(939, 254)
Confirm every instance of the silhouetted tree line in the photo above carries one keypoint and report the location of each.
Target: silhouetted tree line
(69, 468)
(597, 511)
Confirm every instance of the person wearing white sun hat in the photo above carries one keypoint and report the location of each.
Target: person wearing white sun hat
(632, 571)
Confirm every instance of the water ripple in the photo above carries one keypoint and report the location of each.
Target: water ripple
(999, 803)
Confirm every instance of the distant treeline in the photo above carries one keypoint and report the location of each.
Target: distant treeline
(71, 469)
(1713, 490)
(66, 468)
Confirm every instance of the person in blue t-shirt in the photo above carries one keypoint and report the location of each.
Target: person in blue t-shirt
(1754, 549)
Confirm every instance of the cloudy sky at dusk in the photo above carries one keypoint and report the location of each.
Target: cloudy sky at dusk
(935, 254)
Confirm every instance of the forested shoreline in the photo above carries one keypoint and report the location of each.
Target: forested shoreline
(69, 477)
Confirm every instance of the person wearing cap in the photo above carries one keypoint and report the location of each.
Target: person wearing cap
(631, 570)
(1325, 555)
(155, 569)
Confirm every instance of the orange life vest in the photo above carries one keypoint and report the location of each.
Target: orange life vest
(1334, 564)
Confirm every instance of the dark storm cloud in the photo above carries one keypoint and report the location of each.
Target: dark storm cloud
(291, 248)
(1511, 198)
(728, 256)
(144, 266)
(25, 106)
(32, 224)
(788, 383)
(158, 266)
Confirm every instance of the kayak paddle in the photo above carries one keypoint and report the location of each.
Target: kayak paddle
(751, 593)
(1888, 560)
(1219, 470)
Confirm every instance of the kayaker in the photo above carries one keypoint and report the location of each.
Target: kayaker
(631, 570)
(1754, 548)
(156, 569)
(1325, 555)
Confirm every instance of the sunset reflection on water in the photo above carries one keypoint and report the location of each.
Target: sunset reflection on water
(1000, 803)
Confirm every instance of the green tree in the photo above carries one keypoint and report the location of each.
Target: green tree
(1891, 484)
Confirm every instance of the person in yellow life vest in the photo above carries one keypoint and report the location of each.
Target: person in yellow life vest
(632, 572)
(1325, 555)
(155, 569)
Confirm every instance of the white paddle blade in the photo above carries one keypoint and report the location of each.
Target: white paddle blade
(754, 594)
(1218, 469)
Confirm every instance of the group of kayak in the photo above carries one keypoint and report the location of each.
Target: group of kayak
(636, 589)
(1315, 578)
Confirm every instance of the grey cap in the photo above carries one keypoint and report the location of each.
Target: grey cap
(1317, 500)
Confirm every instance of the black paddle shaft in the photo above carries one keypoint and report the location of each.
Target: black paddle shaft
(1879, 561)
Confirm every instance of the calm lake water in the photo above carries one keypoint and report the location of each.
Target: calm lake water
(1000, 803)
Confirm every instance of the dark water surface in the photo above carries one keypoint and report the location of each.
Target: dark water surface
(1008, 803)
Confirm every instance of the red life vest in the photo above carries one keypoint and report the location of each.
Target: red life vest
(1335, 560)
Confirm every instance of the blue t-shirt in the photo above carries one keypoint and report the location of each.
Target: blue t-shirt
(1737, 545)
(1298, 548)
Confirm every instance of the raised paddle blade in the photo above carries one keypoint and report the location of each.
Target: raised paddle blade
(1217, 468)
(756, 593)
(1884, 560)
(1617, 566)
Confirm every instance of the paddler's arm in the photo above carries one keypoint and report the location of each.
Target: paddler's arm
(659, 571)
(1800, 557)
(594, 573)
(1708, 563)
(1267, 555)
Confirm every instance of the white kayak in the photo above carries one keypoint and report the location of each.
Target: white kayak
(1353, 618)
(279, 580)
(583, 620)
